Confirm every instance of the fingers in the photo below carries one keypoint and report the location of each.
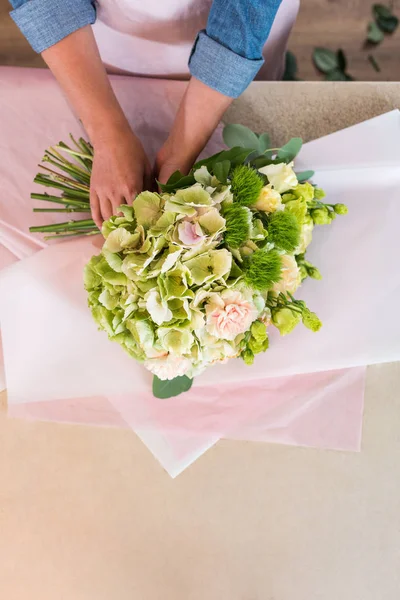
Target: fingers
(105, 204)
(106, 207)
(95, 209)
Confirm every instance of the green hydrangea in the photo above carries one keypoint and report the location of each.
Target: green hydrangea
(188, 279)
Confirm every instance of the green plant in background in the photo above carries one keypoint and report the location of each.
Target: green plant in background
(332, 64)
(290, 73)
(385, 22)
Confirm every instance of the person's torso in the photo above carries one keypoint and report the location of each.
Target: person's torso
(154, 38)
(149, 37)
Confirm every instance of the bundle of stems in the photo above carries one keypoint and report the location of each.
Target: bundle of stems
(72, 179)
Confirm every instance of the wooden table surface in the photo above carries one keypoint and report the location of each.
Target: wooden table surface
(331, 23)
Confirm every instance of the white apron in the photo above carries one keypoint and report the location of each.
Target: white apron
(154, 38)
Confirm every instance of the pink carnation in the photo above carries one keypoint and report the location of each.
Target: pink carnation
(229, 314)
(168, 366)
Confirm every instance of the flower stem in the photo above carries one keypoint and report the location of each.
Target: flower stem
(68, 226)
(57, 210)
(74, 234)
(65, 201)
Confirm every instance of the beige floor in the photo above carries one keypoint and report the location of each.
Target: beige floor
(88, 514)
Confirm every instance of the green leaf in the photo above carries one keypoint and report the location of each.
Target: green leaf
(176, 176)
(263, 161)
(336, 75)
(342, 60)
(221, 170)
(325, 60)
(208, 162)
(184, 181)
(380, 10)
(236, 156)
(239, 135)
(388, 25)
(385, 19)
(304, 176)
(265, 142)
(290, 150)
(290, 67)
(374, 34)
(172, 387)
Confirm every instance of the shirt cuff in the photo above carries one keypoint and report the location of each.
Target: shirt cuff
(220, 68)
(46, 22)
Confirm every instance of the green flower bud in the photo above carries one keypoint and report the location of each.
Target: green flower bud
(285, 320)
(308, 220)
(314, 272)
(258, 331)
(319, 194)
(341, 209)
(311, 321)
(248, 357)
(320, 216)
(257, 346)
(303, 272)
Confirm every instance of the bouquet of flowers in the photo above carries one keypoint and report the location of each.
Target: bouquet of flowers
(195, 275)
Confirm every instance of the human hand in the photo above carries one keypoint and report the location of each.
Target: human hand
(199, 113)
(168, 161)
(121, 170)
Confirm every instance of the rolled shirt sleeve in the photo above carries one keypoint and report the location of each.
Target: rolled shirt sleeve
(228, 54)
(46, 22)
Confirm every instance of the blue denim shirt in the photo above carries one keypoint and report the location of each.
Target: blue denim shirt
(226, 56)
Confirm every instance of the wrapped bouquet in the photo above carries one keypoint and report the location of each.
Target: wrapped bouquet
(196, 274)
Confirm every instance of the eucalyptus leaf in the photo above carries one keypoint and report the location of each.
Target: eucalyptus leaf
(375, 34)
(239, 135)
(290, 150)
(169, 388)
(221, 170)
(325, 60)
(336, 75)
(380, 10)
(384, 17)
(304, 176)
(265, 142)
(290, 73)
(388, 25)
(342, 60)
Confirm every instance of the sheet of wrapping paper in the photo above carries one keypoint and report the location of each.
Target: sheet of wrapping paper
(301, 418)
